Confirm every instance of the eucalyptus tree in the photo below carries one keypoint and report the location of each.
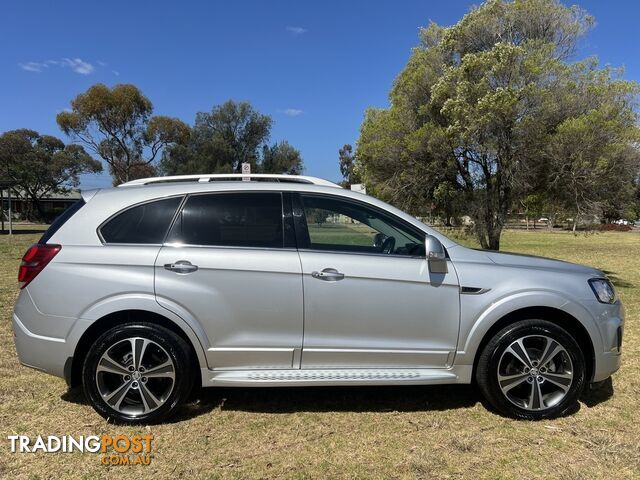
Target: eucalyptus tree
(487, 111)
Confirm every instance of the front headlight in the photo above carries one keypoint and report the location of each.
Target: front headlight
(603, 290)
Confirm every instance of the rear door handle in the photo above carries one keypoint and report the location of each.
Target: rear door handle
(328, 275)
(181, 266)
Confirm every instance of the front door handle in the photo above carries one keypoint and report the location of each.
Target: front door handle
(181, 266)
(328, 275)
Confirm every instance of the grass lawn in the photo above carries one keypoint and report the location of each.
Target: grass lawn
(407, 432)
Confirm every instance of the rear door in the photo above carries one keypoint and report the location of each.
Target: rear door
(230, 263)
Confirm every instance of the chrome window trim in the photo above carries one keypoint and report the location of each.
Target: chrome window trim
(225, 247)
(384, 255)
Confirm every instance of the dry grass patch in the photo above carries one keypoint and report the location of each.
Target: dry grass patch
(392, 432)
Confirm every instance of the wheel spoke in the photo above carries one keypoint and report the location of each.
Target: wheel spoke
(519, 352)
(138, 349)
(552, 349)
(507, 382)
(562, 380)
(115, 398)
(535, 397)
(109, 365)
(149, 400)
(164, 370)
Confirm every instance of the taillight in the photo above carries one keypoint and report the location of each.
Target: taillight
(34, 261)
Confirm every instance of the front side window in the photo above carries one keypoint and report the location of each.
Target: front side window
(340, 225)
(145, 223)
(230, 220)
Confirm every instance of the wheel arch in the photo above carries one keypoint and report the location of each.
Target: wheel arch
(73, 372)
(551, 314)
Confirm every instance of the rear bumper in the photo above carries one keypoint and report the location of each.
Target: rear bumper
(48, 354)
(44, 342)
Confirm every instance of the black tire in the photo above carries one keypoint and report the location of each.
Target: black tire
(166, 344)
(532, 331)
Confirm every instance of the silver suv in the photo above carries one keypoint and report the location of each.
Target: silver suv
(142, 292)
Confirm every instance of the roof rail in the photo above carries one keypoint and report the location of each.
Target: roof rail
(206, 178)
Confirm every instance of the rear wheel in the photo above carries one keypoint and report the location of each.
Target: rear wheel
(532, 369)
(137, 373)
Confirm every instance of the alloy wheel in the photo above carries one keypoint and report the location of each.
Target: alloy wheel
(135, 376)
(535, 372)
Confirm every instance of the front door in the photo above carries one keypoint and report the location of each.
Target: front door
(229, 265)
(369, 298)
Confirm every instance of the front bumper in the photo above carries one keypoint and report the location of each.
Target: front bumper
(608, 355)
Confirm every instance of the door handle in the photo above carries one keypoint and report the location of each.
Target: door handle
(181, 266)
(328, 275)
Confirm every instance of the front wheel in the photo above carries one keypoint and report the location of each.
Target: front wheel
(137, 373)
(532, 369)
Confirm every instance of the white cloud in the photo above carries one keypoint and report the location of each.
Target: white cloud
(78, 66)
(33, 66)
(101, 63)
(292, 112)
(75, 64)
(296, 30)
(116, 73)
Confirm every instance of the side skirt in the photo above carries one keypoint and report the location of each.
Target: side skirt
(329, 377)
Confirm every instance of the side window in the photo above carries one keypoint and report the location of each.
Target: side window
(344, 226)
(231, 220)
(145, 223)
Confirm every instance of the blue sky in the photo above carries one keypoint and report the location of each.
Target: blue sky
(313, 66)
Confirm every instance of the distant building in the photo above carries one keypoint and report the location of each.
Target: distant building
(53, 204)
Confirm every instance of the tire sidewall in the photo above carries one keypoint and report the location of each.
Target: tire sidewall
(501, 342)
(175, 347)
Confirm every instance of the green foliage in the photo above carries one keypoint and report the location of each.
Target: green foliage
(346, 160)
(489, 111)
(41, 164)
(117, 124)
(231, 134)
(281, 158)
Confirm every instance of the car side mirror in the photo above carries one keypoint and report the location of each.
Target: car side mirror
(436, 255)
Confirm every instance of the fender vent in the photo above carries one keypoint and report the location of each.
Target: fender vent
(473, 290)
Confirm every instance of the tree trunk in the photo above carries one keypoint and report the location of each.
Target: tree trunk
(493, 236)
(38, 204)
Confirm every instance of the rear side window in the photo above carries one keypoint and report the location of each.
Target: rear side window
(61, 220)
(145, 223)
(231, 220)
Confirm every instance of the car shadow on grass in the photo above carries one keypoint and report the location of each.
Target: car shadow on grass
(330, 399)
(597, 393)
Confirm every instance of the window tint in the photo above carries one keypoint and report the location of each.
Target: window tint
(61, 220)
(145, 223)
(344, 226)
(231, 219)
